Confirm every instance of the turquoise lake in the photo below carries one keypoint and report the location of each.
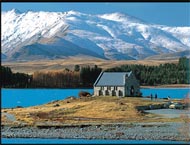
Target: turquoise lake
(83, 141)
(30, 97)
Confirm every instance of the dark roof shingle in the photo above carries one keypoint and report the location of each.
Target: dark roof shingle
(111, 79)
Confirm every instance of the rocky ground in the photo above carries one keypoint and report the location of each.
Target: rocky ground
(131, 131)
(156, 124)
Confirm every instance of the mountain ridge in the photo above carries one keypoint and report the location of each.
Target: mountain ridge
(116, 36)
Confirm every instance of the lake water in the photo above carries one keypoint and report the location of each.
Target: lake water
(174, 93)
(31, 97)
(83, 141)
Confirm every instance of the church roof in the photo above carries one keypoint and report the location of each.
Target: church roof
(112, 78)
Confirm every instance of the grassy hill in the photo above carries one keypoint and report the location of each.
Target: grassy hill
(96, 110)
(60, 64)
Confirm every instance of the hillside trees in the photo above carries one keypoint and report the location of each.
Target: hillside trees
(77, 68)
(84, 77)
(14, 80)
(6, 76)
(56, 79)
(89, 75)
(168, 73)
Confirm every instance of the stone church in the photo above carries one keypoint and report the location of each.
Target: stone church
(121, 84)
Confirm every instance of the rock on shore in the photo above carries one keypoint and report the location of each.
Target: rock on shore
(131, 131)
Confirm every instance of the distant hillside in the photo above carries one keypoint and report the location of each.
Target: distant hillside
(171, 56)
(3, 56)
(60, 49)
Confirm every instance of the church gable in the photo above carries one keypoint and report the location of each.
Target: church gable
(116, 84)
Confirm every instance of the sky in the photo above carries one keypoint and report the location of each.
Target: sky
(171, 14)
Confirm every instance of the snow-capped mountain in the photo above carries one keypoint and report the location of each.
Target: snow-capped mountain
(51, 35)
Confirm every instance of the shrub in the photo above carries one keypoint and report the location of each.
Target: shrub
(84, 94)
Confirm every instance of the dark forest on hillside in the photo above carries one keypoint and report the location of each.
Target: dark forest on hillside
(85, 77)
(79, 78)
(168, 73)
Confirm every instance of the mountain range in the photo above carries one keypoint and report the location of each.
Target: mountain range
(115, 36)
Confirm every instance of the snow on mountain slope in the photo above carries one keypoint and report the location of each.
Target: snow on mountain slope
(111, 36)
(16, 27)
(182, 33)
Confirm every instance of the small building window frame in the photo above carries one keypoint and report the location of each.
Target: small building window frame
(101, 88)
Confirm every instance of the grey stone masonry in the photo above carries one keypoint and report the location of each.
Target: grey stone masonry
(119, 84)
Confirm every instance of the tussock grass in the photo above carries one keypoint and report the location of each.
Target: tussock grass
(59, 64)
(102, 109)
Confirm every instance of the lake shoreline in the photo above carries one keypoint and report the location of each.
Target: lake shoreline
(158, 86)
(126, 131)
(168, 86)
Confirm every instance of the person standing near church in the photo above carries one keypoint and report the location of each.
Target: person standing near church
(151, 97)
(156, 96)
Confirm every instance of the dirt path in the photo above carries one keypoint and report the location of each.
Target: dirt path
(10, 117)
(170, 113)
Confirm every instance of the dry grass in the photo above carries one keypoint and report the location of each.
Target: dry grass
(87, 110)
(3, 118)
(60, 64)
